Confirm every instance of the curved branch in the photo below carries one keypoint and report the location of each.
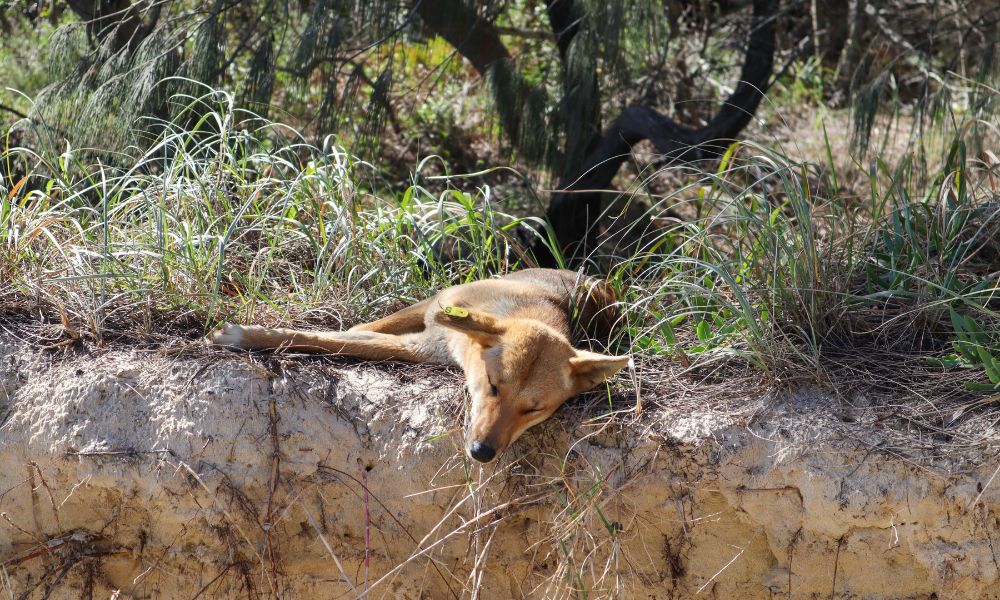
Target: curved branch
(572, 214)
(739, 108)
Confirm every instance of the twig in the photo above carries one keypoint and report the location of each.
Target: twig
(479, 566)
(25, 557)
(836, 563)
(724, 567)
(115, 452)
(73, 489)
(791, 554)
(329, 549)
(182, 466)
(368, 520)
(46, 545)
(214, 579)
(985, 487)
(59, 577)
(48, 490)
(493, 511)
(5, 583)
(272, 488)
(391, 516)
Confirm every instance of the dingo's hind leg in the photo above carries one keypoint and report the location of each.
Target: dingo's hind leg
(360, 344)
(408, 320)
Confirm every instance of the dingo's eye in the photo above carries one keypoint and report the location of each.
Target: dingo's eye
(493, 390)
(533, 411)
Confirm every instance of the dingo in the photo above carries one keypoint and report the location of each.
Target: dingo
(511, 336)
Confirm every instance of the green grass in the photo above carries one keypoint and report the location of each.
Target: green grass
(777, 269)
(232, 217)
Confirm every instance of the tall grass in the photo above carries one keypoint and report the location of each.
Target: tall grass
(228, 216)
(772, 267)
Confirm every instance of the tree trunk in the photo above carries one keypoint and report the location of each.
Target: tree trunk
(118, 19)
(573, 212)
(471, 35)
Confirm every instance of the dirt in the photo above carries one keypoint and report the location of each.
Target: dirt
(135, 473)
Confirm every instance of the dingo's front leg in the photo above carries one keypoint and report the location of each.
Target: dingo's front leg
(360, 344)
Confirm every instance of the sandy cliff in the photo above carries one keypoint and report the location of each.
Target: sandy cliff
(137, 474)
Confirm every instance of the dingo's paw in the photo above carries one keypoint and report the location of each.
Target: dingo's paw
(230, 335)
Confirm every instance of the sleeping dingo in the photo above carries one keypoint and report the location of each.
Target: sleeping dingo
(511, 336)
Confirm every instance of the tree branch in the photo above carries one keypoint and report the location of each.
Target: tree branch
(118, 18)
(13, 111)
(573, 214)
(472, 36)
(739, 108)
(564, 23)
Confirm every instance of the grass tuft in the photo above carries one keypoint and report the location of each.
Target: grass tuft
(227, 216)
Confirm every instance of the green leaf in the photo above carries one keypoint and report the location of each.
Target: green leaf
(973, 386)
(668, 333)
(950, 361)
(989, 364)
(703, 331)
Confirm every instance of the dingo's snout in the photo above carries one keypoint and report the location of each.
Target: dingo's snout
(484, 453)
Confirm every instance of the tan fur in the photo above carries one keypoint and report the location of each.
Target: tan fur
(514, 341)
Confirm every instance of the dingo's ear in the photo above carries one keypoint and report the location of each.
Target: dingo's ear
(591, 369)
(482, 327)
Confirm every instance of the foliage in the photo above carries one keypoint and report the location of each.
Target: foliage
(347, 68)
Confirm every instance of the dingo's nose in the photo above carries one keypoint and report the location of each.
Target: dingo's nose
(481, 452)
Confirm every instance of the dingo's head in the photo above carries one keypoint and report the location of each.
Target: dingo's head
(519, 371)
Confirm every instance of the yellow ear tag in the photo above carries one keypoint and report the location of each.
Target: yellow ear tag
(456, 311)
